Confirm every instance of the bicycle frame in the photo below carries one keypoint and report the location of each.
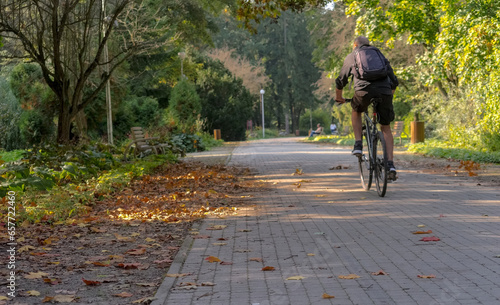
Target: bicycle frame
(373, 163)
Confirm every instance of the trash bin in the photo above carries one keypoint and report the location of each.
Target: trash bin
(417, 132)
(217, 134)
(297, 133)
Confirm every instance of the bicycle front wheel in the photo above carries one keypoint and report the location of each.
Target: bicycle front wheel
(365, 170)
(380, 158)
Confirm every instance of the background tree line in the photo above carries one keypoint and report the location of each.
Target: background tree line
(446, 54)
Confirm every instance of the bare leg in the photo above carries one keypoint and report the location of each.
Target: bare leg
(356, 125)
(389, 141)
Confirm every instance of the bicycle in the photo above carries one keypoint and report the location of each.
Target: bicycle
(373, 160)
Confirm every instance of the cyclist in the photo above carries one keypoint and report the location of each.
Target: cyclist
(364, 91)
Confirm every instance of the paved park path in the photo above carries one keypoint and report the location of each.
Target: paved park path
(329, 228)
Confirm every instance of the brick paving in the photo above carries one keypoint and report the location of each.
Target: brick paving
(329, 227)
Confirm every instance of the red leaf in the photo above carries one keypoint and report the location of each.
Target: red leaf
(431, 238)
(91, 283)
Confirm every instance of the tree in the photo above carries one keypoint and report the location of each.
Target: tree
(68, 40)
(226, 103)
(185, 105)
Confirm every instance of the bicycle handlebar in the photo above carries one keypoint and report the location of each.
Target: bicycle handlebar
(347, 100)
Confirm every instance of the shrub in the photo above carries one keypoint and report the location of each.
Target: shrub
(185, 105)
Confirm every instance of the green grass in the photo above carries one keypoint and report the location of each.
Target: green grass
(441, 149)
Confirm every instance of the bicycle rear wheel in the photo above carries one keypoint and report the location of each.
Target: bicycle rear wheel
(365, 170)
(380, 158)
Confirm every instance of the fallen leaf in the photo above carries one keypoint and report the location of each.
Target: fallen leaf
(149, 240)
(311, 254)
(128, 265)
(430, 276)
(217, 227)
(35, 275)
(245, 230)
(327, 296)
(219, 244)
(32, 293)
(431, 238)
(123, 238)
(52, 281)
(25, 248)
(421, 226)
(422, 232)
(319, 195)
(123, 295)
(226, 263)
(63, 298)
(294, 278)
(91, 283)
(101, 264)
(98, 230)
(349, 276)
(177, 274)
(255, 259)
(140, 251)
(380, 272)
(212, 259)
(207, 284)
(268, 268)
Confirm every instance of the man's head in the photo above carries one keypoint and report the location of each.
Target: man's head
(361, 41)
(319, 124)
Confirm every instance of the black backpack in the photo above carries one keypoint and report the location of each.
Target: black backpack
(369, 63)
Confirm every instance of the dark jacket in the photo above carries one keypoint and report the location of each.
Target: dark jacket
(383, 86)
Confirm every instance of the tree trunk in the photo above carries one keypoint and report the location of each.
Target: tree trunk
(64, 124)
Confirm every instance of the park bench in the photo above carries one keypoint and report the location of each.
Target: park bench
(142, 144)
(398, 130)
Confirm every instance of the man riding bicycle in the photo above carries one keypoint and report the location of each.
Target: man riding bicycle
(366, 88)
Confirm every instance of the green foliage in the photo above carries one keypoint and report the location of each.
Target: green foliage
(188, 143)
(35, 127)
(441, 149)
(10, 113)
(226, 103)
(185, 105)
(319, 116)
(47, 166)
(135, 111)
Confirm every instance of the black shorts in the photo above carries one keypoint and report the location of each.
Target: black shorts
(362, 99)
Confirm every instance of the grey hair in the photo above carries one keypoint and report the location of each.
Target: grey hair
(361, 41)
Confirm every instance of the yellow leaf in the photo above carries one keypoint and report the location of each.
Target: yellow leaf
(311, 254)
(135, 234)
(123, 295)
(21, 239)
(217, 227)
(33, 292)
(319, 195)
(212, 259)
(327, 296)
(26, 248)
(149, 240)
(421, 226)
(36, 275)
(3, 298)
(431, 276)
(177, 274)
(297, 277)
(349, 276)
(219, 244)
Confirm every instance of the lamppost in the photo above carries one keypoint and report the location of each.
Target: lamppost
(262, 98)
(182, 55)
(109, 114)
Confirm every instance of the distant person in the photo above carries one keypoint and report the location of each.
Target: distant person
(333, 128)
(360, 64)
(317, 131)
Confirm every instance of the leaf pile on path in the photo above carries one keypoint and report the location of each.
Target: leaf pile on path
(120, 252)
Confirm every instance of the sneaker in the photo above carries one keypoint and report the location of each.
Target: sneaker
(392, 175)
(358, 148)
